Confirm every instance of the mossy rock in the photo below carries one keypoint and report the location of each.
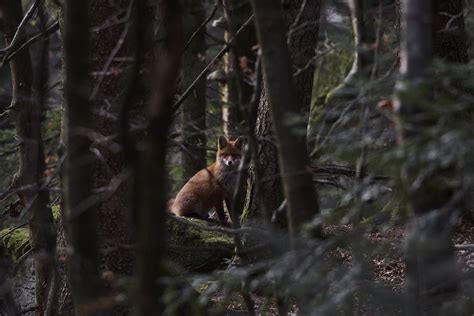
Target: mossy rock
(190, 247)
(196, 249)
(17, 242)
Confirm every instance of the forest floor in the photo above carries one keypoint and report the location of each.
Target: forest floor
(390, 270)
(387, 270)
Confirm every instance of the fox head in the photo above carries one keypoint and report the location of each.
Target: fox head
(229, 153)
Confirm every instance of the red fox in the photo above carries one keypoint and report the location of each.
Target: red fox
(212, 186)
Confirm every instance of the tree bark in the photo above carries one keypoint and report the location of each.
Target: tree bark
(113, 52)
(108, 46)
(193, 110)
(152, 170)
(266, 196)
(238, 64)
(302, 44)
(30, 178)
(431, 265)
(287, 112)
(8, 306)
(302, 20)
(81, 219)
(449, 33)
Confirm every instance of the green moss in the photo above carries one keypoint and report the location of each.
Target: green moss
(53, 8)
(56, 210)
(191, 248)
(197, 249)
(17, 242)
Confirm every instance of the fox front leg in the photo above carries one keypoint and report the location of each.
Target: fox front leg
(221, 214)
(229, 203)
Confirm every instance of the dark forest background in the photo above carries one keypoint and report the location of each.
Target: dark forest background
(355, 195)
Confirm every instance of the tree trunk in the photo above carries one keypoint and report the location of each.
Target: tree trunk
(81, 225)
(302, 44)
(364, 67)
(266, 196)
(302, 20)
(431, 265)
(107, 47)
(363, 25)
(238, 64)
(8, 307)
(30, 179)
(111, 54)
(449, 33)
(193, 115)
(286, 110)
(152, 170)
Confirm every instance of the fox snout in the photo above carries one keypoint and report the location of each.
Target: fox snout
(230, 161)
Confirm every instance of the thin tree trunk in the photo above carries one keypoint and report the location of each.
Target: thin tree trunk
(152, 230)
(81, 219)
(285, 103)
(449, 33)
(239, 65)
(193, 115)
(266, 196)
(431, 266)
(363, 16)
(301, 19)
(25, 112)
(363, 25)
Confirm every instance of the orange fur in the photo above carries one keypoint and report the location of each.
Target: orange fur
(208, 188)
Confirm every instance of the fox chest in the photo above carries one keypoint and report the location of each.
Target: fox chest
(228, 182)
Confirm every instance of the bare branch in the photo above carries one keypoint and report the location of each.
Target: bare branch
(203, 25)
(219, 55)
(13, 52)
(18, 34)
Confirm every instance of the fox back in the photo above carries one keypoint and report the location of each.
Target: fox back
(208, 188)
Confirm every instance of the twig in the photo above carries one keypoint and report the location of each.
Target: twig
(330, 183)
(48, 31)
(5, 115)
(13, 229)
(24, 256)
(469, 247)
(101, 194)
(378, 43)
(222, 52)
(114, 52)
(218, 228)
(20, 27)
(203, 24)
(452, 19)
(295, 23)
(199, 248)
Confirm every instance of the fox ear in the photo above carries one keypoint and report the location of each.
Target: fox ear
(221, 142)
(239, 142)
